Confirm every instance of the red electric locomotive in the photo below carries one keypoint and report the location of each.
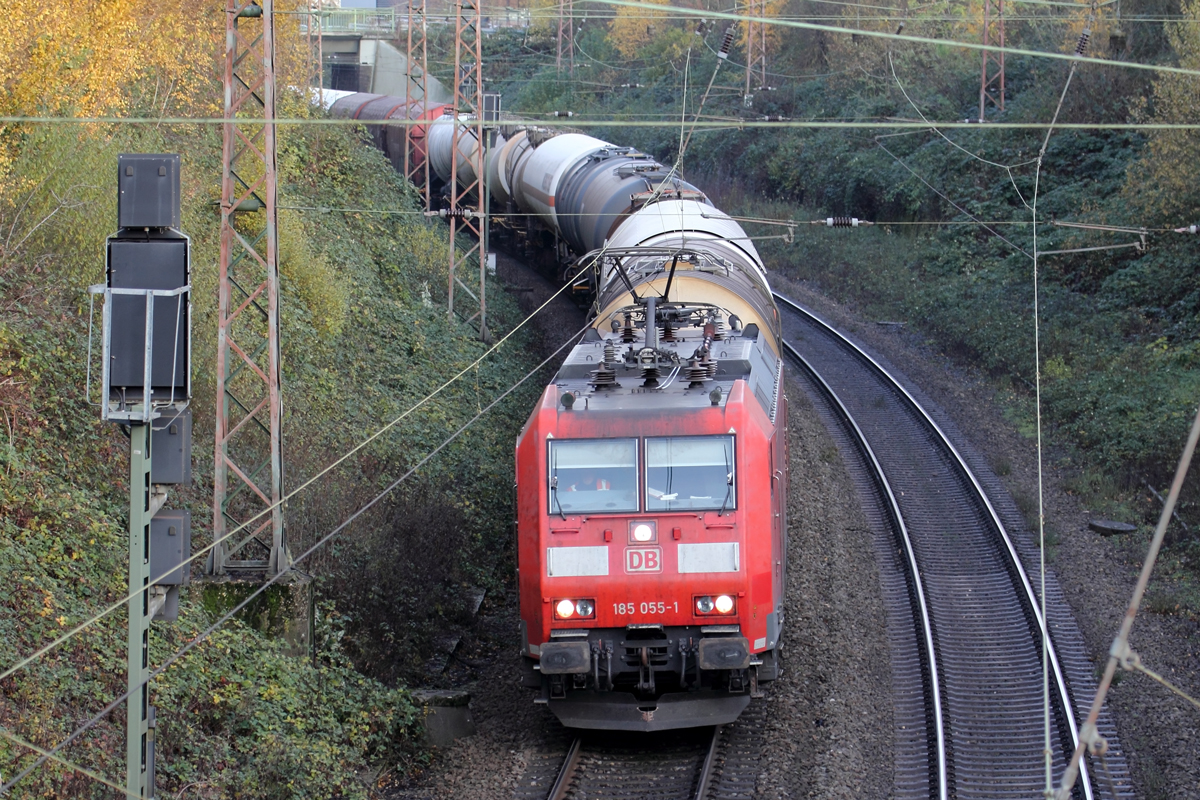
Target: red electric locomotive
(652, 483)
(652, 476)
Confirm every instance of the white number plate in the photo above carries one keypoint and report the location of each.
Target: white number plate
(645, 607)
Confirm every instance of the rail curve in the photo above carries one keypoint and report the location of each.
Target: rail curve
(981, 744)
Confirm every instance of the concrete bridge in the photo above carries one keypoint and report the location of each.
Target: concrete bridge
(364, 48)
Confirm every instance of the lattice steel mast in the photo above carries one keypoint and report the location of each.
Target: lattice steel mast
(566, 28)
(248, 458)
(991, 85)
(417, 86)
(466, 212)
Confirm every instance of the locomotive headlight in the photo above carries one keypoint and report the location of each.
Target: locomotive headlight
(724, 604)
(642, 532)
(704, 605)
(570, 608)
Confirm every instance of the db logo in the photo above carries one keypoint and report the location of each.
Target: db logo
(643, 559)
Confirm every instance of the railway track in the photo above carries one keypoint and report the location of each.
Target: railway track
(677, 767)
(964, 614)
(720, 763)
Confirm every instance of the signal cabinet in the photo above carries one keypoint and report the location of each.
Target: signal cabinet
(170, 544)
(171, 448)
(148, 190)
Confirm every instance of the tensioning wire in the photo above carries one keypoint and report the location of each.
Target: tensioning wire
(940, 194)
(1008, 168)
(633, 123)
(1037, 389)
(320, 543)
(734, 217)
(69, 765)
(121, 603)
(902, 37)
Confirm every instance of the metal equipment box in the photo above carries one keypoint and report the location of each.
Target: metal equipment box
(170, 609)
(171, 448)
(170, 544)
(148, 190)
(149, 264)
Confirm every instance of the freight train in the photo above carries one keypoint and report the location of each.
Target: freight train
(651, 477)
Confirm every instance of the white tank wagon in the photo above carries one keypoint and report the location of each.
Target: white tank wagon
(605, 204)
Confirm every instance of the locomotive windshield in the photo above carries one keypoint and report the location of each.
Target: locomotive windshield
(593, 476)
(690, 473)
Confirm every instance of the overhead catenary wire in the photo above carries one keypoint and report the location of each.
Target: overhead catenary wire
(701, 14)
(68, 764)
(745, 124)
(959, 208)
(320, 474)
(190, 645)
(1080, 50)
(631, 123)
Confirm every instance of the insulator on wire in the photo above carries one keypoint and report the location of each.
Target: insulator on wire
(564, 113)
(1082, 46)
(455, 213)
(1188, 229)
(841, 222)
(901, 28)
(726, 43)
(774, 118)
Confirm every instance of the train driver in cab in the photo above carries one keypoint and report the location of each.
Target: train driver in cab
(591, 483)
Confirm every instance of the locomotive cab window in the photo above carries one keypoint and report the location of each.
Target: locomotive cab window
(690, 473)
(593, 477)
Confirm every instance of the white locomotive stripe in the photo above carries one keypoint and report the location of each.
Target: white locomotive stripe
(576, 562)
(708, 557)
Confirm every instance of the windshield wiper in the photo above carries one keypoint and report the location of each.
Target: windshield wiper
(728, 485)
(554, 496)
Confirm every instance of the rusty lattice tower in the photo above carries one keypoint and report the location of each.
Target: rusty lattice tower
(566, 35)
(467, 207)
(991, 85)
(416, 88)
(248, 461)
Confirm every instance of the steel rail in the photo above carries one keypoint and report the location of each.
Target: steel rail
(1064, 696)
(706, 769)
(934, 689)
(562, 784)
(573, 761)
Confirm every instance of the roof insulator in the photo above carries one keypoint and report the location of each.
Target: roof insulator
(1082, 46)
(726, 43)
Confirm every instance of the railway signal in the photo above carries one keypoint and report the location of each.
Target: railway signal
(145, 386)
